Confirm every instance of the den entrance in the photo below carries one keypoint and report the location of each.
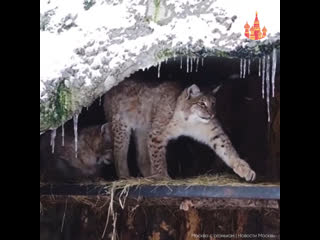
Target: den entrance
(240, 108)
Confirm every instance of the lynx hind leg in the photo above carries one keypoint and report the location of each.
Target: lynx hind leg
(121, 139)
(141, 142)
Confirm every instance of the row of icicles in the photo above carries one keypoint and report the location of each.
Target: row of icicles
(190, 61)
(264, 70)
(245, 65)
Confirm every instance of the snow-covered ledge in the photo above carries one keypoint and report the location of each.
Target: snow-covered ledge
(89, 46)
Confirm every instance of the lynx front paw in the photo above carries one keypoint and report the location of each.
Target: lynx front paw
(243, 169)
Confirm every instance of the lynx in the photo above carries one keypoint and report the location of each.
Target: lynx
(94, 149)
(158, 112)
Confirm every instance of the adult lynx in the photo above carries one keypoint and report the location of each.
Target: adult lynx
(158, 112)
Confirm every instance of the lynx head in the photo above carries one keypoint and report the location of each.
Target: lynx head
(197, 106)
(98, 138)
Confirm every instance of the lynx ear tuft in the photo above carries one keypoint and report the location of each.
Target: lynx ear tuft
(215, 90)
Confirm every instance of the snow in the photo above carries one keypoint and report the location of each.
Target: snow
(57, 49)
(56, 52)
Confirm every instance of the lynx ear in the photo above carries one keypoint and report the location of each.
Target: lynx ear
(214, 91)
(193, 91)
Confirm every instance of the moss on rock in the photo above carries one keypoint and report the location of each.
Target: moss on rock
(57, 110)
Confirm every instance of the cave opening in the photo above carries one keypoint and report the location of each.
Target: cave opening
(240, 108)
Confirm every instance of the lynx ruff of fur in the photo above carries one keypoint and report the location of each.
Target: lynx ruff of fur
(157, 114)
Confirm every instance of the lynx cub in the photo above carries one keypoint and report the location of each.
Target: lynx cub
(94, 148)
(157, 113)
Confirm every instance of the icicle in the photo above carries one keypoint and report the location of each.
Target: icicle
(259, 67)
(166, 60)
(174, 57)
(100, 101)
(202, 61)
(159, 67)
(249, 65)
(191, 61)
(241, 67)
(197, 64)
(274, 66)
(53, 138)
(187, 64)
(263, 74)
(268, 86)
(75, 129)
(87, 108)
(62, 135)
(181, 62)
(244, 68)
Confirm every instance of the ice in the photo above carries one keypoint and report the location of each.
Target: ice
(244, 68)
(274, 68)
(62, 135)
(191, 61)
(263, 74)
(259, 67)
(181, 62)
(249, 63)
(202, 61)
(53, 138)
(75, 129)
(197, 64)
(268, 86)
(159, 68)
(187, 64)
(241, 67)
